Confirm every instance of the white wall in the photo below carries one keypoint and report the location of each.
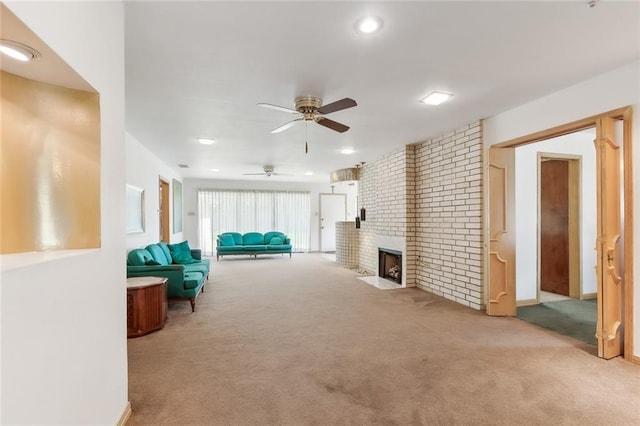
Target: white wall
(144, 170)
(64, 345)
(608, 91)
(191, 186)
(527, 210)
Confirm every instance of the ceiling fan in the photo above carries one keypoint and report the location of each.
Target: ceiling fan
(312, 109)
(268, 172)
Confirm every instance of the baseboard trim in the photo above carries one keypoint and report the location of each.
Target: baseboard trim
(526, 302)
(126, 414)
(635, 359)
(589, 296)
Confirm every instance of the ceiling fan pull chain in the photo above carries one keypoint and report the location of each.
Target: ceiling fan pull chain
(306, 137)
(306, 148)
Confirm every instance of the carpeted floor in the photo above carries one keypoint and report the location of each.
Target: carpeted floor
(575, 318)
(302, 341)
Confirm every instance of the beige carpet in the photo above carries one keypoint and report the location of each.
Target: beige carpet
(302, 341)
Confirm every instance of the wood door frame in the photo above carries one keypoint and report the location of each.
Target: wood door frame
(624, 114)
(575, 221)
(164, 210)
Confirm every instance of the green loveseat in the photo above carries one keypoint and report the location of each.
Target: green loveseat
(252, 243)
(184, 268)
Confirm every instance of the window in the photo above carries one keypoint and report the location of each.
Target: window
(253, 211)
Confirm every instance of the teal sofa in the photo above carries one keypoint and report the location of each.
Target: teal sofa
(252, 244)
(184, 268)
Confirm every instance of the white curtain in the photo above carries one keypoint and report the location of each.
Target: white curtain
(253, 211)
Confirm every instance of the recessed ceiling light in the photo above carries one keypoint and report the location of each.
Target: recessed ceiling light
(368, 24)
(215, 170)
(308, 173)
(205, 141)
(347, 151)
(435, 98)
(17, 50)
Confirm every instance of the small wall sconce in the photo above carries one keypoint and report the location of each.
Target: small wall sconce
(363, 214)
(357, 222)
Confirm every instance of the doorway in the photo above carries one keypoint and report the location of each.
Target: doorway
(614, 240)
(163, 211)
(565, 216)
(333, 208)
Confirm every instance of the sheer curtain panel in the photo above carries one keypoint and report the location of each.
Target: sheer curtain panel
(253, 211)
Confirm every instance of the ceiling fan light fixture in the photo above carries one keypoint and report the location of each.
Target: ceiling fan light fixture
(347, 151)
(18, 51)
(215, 170)
(436, 98)
(206, 141)
(308, 174)
(368, 24)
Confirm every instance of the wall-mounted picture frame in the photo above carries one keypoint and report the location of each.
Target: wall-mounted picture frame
(177, 206)
(135, 209)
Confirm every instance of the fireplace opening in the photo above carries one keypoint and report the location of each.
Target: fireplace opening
(390, 264)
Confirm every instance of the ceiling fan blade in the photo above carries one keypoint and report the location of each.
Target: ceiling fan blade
(285, 126)
(278, 108)
(337, 106)
(333, 125)
(253, 174)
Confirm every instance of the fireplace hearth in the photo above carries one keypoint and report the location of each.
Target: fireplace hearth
(390, 265)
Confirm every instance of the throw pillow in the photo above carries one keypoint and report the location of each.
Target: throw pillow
(183, 246)
(183, 258)
(227, 240)
(151, 262)
(276, 241)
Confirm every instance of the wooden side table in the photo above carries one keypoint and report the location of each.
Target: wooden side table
(146, 305)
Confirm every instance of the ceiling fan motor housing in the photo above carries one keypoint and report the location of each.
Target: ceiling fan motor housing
(308, 105)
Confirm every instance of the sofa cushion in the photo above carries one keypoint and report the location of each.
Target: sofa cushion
(255, 247)
(165, 249)
(237, 237)
(268, 236)
(158, 254)
(276, 241)
(176, 248)
(138, 257)
(277, 247)
(251, 238)
(192, 279)
(152, 262)
(226, 240)
(229, 249)
(181, 253)
(198, 266)
(183, 258)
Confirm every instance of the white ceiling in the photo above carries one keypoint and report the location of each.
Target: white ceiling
(198, 69)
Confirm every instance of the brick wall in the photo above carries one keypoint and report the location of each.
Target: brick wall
(386, 190)
(431, 195)
(347, 244)
(449, 215)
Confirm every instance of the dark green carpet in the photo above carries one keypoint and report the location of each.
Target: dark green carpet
(574, 318)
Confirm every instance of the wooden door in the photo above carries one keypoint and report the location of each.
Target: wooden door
(609, 332)
(554, 226)
(502, 253)
(163, 211)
